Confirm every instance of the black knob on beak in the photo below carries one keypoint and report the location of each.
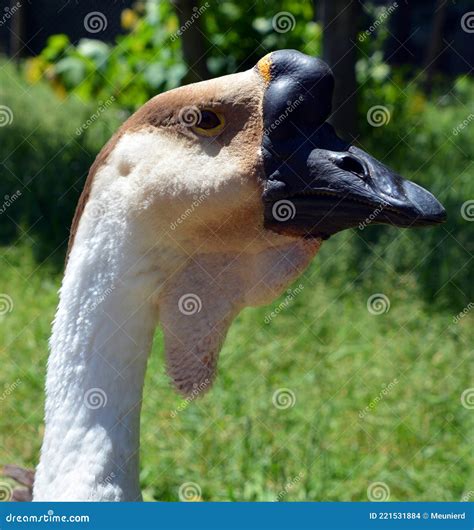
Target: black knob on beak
(300, 90)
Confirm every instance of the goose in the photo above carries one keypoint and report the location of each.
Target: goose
(212, 197)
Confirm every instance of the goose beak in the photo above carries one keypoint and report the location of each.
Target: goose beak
(315, 183)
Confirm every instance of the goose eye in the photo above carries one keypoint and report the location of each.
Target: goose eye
(210, 123)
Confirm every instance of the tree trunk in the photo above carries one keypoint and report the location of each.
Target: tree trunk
(192, 39)
(434, 44)
(339, 18)
(17, 31)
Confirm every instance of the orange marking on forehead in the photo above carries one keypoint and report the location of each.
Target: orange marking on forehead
(264, 66)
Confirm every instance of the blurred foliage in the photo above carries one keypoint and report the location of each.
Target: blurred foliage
(46, 157)
(141, 63)
(148, 60)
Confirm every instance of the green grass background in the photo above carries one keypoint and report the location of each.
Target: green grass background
(325, 346)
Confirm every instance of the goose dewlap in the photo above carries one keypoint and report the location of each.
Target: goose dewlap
(210, 198)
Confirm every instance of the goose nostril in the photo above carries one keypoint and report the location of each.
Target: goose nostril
(352, 164)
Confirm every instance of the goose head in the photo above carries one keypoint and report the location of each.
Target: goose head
(230, 185)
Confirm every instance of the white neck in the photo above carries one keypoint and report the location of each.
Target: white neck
(117, 272)
(101, 338)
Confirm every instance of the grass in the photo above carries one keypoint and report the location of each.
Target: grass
(326, 348)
